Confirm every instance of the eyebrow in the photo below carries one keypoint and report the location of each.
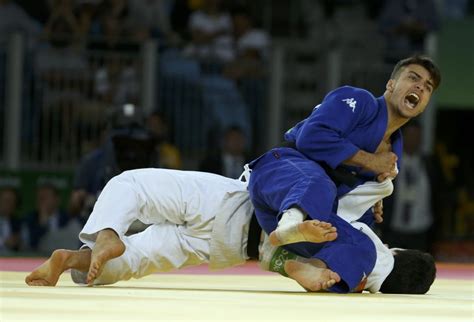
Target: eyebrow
(419, 76)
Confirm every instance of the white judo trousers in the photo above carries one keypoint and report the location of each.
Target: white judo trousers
(195, 218)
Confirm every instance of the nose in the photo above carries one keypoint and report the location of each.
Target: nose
(419, 86)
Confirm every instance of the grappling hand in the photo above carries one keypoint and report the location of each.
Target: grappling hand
(378, 211)
(383, 163)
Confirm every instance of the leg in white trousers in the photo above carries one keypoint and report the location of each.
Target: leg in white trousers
(174, 240)
(159, 248)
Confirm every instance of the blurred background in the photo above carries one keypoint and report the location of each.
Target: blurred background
(90, 88)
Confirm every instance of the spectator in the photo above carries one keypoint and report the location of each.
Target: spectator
(48, 226)
(252, 48)
(10, 237)
(406, 24)
(112, 30)
(116, 82)
(409, 216)
(60, 75)
(89, 179)
(62, 23)
(153, 16)
(464, 210)
(211, 33)
(168, 155)
(446, 180)
(229, 160)
(86, 11)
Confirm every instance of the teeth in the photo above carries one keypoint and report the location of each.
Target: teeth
(412, 100)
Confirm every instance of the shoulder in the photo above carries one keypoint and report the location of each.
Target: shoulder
(361, 101)
(348, 92)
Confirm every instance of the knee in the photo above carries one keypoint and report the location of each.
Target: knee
(319, 197)
(323, 186)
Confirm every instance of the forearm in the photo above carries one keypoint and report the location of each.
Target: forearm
(361, 159)
(378, 163)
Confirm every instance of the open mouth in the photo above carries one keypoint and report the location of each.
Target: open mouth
(411, 100)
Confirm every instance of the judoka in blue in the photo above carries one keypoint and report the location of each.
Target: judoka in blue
(348, 120)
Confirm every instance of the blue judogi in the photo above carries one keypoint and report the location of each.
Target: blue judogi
(348, 119)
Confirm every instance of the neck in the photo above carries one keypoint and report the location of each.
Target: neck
(395, 120)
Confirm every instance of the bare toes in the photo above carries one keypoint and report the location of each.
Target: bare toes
(325, 225)
(38, 283)
(90, 277)
(93, 272)
(335, 276)
(315, 287)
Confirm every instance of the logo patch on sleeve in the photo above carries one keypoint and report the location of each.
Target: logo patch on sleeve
(351, 102)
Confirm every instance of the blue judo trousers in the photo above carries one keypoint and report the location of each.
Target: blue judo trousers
(272, 185)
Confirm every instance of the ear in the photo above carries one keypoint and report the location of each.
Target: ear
(390, 86)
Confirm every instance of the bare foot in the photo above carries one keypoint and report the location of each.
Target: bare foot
(61, 259)
(313, 276)
(107, 246)
(314, 231)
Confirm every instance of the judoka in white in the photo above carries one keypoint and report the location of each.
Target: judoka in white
(195, 218)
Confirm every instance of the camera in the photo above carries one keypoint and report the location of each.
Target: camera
(129, 144)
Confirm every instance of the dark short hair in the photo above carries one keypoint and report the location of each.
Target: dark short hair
(423, 61)
(413, 273)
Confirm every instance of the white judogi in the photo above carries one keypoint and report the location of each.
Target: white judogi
(196, 218)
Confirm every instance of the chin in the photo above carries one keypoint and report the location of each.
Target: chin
(407, 114)
(410, 114)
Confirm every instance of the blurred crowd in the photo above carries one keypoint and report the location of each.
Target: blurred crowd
(86, 78)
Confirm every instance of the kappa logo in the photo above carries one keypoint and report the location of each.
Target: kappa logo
(351, 102)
